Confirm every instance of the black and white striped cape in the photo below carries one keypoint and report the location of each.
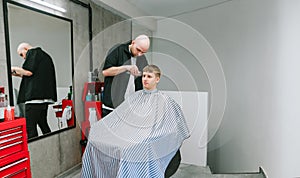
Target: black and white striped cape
(138, 139)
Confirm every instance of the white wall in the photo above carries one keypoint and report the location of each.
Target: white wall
(257, 44)
(193, 151)
(288, 88)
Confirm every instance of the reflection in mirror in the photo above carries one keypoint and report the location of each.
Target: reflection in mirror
(53, 34)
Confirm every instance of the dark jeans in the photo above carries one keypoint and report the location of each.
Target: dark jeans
(36, 114)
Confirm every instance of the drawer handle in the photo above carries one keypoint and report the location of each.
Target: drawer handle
(7, 130)
(11, 139)
(15, 173)
(12, 134)
(10, 145)
(13, 164)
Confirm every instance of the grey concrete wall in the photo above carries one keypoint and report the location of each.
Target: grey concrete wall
(55, 154)
(108, 29)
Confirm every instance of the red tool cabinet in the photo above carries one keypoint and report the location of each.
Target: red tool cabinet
(14, 155)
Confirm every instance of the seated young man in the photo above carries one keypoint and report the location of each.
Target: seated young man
(139, 138)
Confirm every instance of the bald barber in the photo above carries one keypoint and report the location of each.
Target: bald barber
(37, 88)
(122, 71)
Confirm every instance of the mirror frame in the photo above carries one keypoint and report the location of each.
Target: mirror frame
(8, 56)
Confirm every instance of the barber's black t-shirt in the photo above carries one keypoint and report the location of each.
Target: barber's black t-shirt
(42, 83)
(115, 86)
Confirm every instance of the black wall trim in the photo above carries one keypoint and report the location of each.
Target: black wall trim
(7, 44)
(80, 3)
(262, 172)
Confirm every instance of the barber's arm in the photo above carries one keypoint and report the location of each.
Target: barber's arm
(20, 72)
(113, 71)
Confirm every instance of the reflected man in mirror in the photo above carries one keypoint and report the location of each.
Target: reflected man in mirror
(37, 88)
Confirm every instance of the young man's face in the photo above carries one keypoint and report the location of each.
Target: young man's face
(149, 81)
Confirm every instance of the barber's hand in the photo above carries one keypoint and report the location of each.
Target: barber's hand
(133, 69)
(14, 71)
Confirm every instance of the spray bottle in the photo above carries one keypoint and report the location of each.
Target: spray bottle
(9, 113)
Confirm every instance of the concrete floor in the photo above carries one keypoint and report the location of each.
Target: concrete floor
(184, 171)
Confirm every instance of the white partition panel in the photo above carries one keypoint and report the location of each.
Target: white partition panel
(194, 106)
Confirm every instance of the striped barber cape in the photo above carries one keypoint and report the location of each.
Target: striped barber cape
(137, 140)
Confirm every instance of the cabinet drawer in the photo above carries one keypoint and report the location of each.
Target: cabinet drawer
(16, 165)
(16, 169)
(11, 141)
(13, 137)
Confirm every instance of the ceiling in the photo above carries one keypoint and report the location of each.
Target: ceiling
(162, 8)
(171, 8)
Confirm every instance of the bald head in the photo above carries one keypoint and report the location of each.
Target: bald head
(23, 48)
(140, 45)
(143, 41)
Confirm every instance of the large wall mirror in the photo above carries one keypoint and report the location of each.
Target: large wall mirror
(53, 34)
